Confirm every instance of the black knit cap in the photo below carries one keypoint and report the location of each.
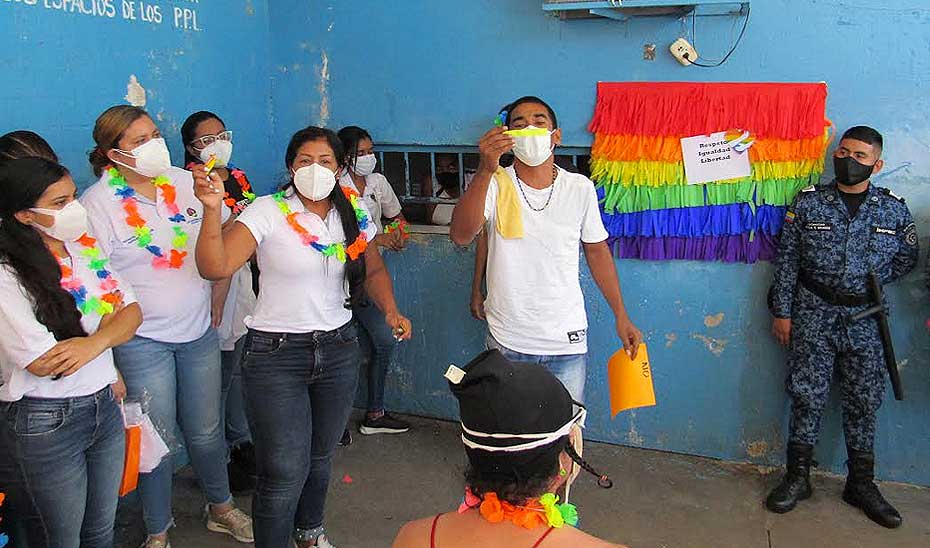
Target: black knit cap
(498, 396)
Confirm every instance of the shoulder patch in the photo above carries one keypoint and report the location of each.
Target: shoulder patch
(892, 194)
(910, 234)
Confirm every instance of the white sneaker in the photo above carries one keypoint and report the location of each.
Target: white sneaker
(321, 542)
(152, 542)
(234, 523)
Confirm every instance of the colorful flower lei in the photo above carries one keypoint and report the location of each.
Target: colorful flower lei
(544, 510)
(398, 224)
(243, 182)
(143, 232)
(88, 304)
(335, 249)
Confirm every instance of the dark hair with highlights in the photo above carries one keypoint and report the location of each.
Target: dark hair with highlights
(355, 268)
(25, 144)
(189, 129)
(22, 183)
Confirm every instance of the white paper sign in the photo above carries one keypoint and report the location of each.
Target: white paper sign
(711, 158)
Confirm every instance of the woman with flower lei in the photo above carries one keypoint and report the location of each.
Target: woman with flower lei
(62, 310)
(146, 218)
(206, 138)
(522, 435)
(301, 355)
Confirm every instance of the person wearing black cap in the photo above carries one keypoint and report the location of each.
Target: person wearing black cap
(519, 457)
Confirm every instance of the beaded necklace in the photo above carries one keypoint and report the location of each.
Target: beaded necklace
(143, 232)
(335, 249)
(85, 302)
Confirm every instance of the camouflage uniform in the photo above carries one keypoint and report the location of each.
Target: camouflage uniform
(822, 249)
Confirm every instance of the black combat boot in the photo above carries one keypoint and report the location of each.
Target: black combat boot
(862, 492)
(796, 485)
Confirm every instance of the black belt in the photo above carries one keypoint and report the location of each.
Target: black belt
(832, 296)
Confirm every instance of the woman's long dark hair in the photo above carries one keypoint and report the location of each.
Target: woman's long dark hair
(22, 183)
(24, 144)
(350, 136)
(189, 129)
(355, 269)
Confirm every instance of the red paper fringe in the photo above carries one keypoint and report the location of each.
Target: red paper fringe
(683, 109)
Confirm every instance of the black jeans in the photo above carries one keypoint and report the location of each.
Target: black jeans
(299, 390)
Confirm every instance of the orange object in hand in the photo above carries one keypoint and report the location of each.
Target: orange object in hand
(131, 460)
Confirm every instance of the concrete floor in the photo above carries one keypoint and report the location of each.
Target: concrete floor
(659, 500)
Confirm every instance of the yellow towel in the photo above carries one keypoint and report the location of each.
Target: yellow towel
(509, 219)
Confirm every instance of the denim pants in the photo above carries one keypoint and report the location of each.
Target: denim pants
(70, 454)
(568, 368)
(378, 340)
(181, 382)
(299, 389)
(236, 426)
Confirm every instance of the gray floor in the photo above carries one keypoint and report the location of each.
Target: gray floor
(659, 500)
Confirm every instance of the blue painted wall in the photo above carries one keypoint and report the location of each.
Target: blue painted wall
(62, 67)
(435, 72)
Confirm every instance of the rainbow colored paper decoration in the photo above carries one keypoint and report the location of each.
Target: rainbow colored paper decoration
(649, 209)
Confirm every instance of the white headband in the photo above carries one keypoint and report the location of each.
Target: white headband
(540, 439)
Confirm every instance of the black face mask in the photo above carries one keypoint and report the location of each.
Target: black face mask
(849, 172)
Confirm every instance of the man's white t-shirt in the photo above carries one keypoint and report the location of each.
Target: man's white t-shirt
(379, 198)
(534, 304)
(25, 338)
(175, 302)
(300, 289)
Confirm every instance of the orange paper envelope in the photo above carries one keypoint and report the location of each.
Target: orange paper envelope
(630, 381)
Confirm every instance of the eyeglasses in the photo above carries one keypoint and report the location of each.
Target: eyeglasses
(208, 140)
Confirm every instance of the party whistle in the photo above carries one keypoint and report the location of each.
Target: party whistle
(210, 164)
(527, 132)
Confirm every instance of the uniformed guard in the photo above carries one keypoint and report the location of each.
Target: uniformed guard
(834, 237)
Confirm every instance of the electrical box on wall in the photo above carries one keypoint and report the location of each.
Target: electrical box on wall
(623, 10)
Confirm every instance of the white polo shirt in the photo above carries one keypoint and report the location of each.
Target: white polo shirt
(379, 197)
(300, 289)
(534, 304)
(175, 303)
(24, 339)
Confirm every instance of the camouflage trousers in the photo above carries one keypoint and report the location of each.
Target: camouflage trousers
(825, 344)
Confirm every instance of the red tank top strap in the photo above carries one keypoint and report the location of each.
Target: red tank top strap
(542, 538)
(432, 531)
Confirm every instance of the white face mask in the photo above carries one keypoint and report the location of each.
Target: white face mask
(222, 150)
(152, 158)
(314, 182)
(533, 150)
(365, 165)
(70, 222)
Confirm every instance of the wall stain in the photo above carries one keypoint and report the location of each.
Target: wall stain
(323, 88)
(715, 346)
(713, 321)
(670, 339)
(757, 449)
(135, 93)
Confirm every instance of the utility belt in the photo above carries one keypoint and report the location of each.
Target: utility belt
(830, 295)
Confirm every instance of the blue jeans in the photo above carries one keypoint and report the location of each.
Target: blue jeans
(21, 520)
(70, 453)
(380, 343)
(568, 368)
(182, 384)
(236, 426)
(299, 389)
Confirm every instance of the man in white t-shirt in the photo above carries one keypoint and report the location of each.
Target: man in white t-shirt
(537, 217)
